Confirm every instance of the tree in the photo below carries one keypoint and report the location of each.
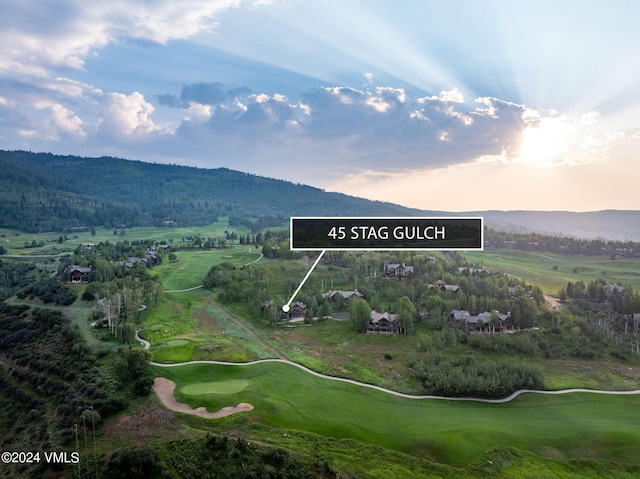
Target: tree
(360, 312)
(406, 313)
(326, 310)
(494, 321)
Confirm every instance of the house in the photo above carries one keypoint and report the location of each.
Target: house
(482, 322)
(131, 261)
(165, 247)
(611, 288)
(396, 270)
(151, 255)
(298, 309)
(266, 305)
(382, 323)
(79, 274)
(347, 296)
(442, 286)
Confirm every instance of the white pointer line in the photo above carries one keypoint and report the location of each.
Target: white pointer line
(286, 307)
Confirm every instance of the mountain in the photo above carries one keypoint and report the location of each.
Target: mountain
(44, 192)
(621, 225)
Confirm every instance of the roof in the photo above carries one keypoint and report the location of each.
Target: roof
(395, 266)
(81, 269)
(376, 317)
(344, 294)
(485, 316)
(610, 288)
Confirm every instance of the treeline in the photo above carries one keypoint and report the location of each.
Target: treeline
(618, 298)
(256, 224)
(560, 244)
(469, 377)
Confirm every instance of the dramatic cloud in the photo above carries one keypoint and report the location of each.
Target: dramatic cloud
(254, 85)
(63, 33)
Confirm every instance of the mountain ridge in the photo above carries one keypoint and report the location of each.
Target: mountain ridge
(50, 192)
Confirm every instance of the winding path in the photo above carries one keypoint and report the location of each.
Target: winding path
(399, 394)
(283, 359)
(389, 391)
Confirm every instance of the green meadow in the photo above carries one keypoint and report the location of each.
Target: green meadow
(576, 425)
(14, 241)
(538, 268)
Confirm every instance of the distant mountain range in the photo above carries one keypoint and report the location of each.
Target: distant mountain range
(45, 192)
(622, 225)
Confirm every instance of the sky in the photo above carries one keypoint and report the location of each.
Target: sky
(440, 105)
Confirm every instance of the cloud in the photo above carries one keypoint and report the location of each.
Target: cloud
(198, 112)
(204, 93)
(66, 122)
(451, 96)
(127, 115)
(321, 134)
(62, 34)
(387, 130)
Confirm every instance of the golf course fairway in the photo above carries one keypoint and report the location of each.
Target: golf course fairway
(573, 425)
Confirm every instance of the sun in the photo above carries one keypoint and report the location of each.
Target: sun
(547, 140)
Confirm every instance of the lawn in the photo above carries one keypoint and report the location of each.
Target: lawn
(578, 425)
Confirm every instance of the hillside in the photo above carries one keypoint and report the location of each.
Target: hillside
(154, 193)
(42, 192)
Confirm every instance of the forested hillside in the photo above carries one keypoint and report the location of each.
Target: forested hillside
(44, 192)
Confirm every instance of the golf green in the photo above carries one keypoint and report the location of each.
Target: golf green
(219, 387)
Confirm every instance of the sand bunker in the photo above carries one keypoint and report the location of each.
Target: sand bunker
(164, 389)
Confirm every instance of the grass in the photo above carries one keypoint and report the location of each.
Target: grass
(537, 268)
(192, 266)
(589, 426)
(185, 326)
(14, 240)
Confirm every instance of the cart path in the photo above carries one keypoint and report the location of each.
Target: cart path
(249, 331)
(399, 394)
(183, 290)
(379, 388)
